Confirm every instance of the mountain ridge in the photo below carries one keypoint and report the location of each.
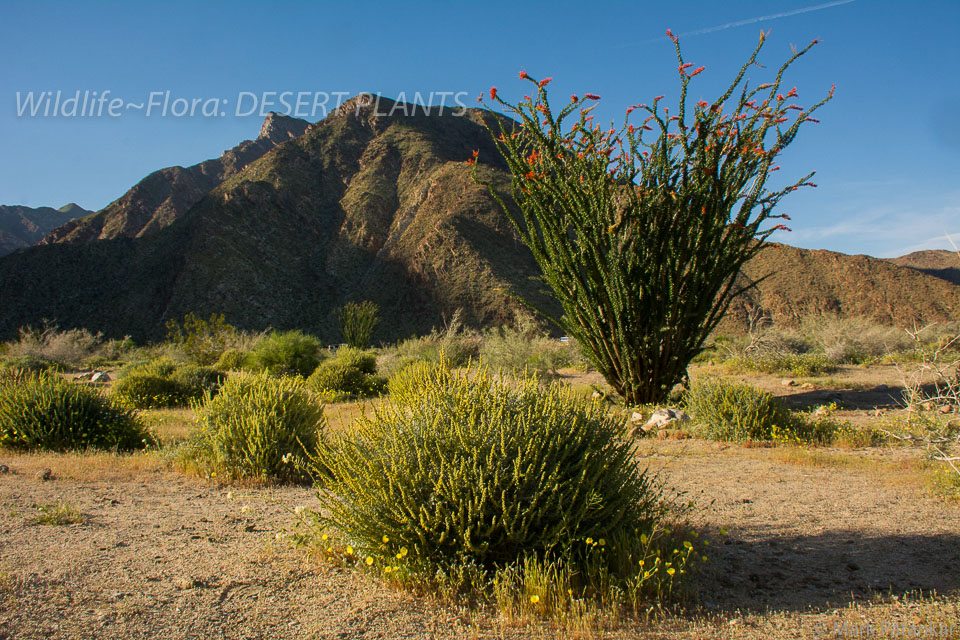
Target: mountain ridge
(366, 206)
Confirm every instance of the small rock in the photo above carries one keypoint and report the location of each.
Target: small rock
(787, 382)
(4, 469)
(807, 385)
(636, 418)
(664, 417)
(44, 474)
(946, 409)
(187, 583)
(596, 395)
(821, 412)
(100, 376)
(927, 406)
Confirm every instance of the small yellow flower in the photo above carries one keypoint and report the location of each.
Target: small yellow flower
(403, 552)
(329, 549)
(641, 563)
(534, 599)
(570, 592)
(244, 509)
(704, 558)
(298, 509)
(369, 560)
(601, 542)
(643, 538)
(388, 569)
(324, 537)
(385, 539)
(687, 544)
(671, 571)
(723, 531)
(349, 550)
(589, 540)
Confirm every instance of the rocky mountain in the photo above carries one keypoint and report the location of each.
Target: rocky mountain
(805, 282)
(939, 264)
(165, 195)
(364, 206)
(24, 226)
(360, 206)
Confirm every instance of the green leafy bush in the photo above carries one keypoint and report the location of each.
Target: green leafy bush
(349, 374)
(258, 426)
(403, 386)
(796, 364)
(232, 360)
(47, 412)
(163, 383)
(202, 340)
(725, 410)
(286, 353)
(29, 363)
(357, 322)
(472, 475)
(524, 347)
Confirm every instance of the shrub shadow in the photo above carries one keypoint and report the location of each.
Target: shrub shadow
(760, 570)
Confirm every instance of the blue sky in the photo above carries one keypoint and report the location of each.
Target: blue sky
(887, 151)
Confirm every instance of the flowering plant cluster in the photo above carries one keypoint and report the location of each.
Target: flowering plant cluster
(641, 230)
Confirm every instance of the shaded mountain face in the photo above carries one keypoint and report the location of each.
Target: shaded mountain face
(165, 195)
(365, 205)
(937, 263)
(806, 282)
(24, 226)
(361, 206)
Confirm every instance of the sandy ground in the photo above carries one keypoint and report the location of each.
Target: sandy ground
(160, 555)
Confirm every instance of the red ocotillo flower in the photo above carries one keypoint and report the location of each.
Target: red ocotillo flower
(591, 96)
(695, 71)
(523, 75)
(493, 93)
(671, 36)
(545, 82)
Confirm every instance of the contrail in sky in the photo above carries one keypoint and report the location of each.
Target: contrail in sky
(773, 16)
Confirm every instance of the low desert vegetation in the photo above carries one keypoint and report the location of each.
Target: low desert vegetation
(162, 383)
(357, 322)
(286, 353)
(499, 490)
(348, 375)
(46, 412)
(259, 427)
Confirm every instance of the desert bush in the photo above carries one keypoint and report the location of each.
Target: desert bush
(523, 346)
(357, 322)
(286, 353)
(800, 364)
(47, 412)
(232, 360)
(29, 363)
(202, 340)
(853, 340)
(258, 426)
(403, 385)
(48, 342)
(724, 410)
(163, 383)
(351, 373)
(472, 476)
(457, 345)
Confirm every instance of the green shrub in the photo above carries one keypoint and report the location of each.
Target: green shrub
(259, 427)
(232, 360)
(47, 412)
(349, 374)
(163, 383)
(523, 347)
(403, 386)
(357, 322)
(286, 353)
(471, 476)
(202, 340)
(796, 364)
(724, 410)
(29, 363)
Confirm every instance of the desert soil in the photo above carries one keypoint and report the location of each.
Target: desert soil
(810, 547)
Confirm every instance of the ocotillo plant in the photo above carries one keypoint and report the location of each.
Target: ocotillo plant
(641, 241)
(357, 321)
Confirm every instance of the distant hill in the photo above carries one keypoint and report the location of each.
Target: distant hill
(165, 195)
(811, 282)
(364, 206)
(937, 263)
(22, 226)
